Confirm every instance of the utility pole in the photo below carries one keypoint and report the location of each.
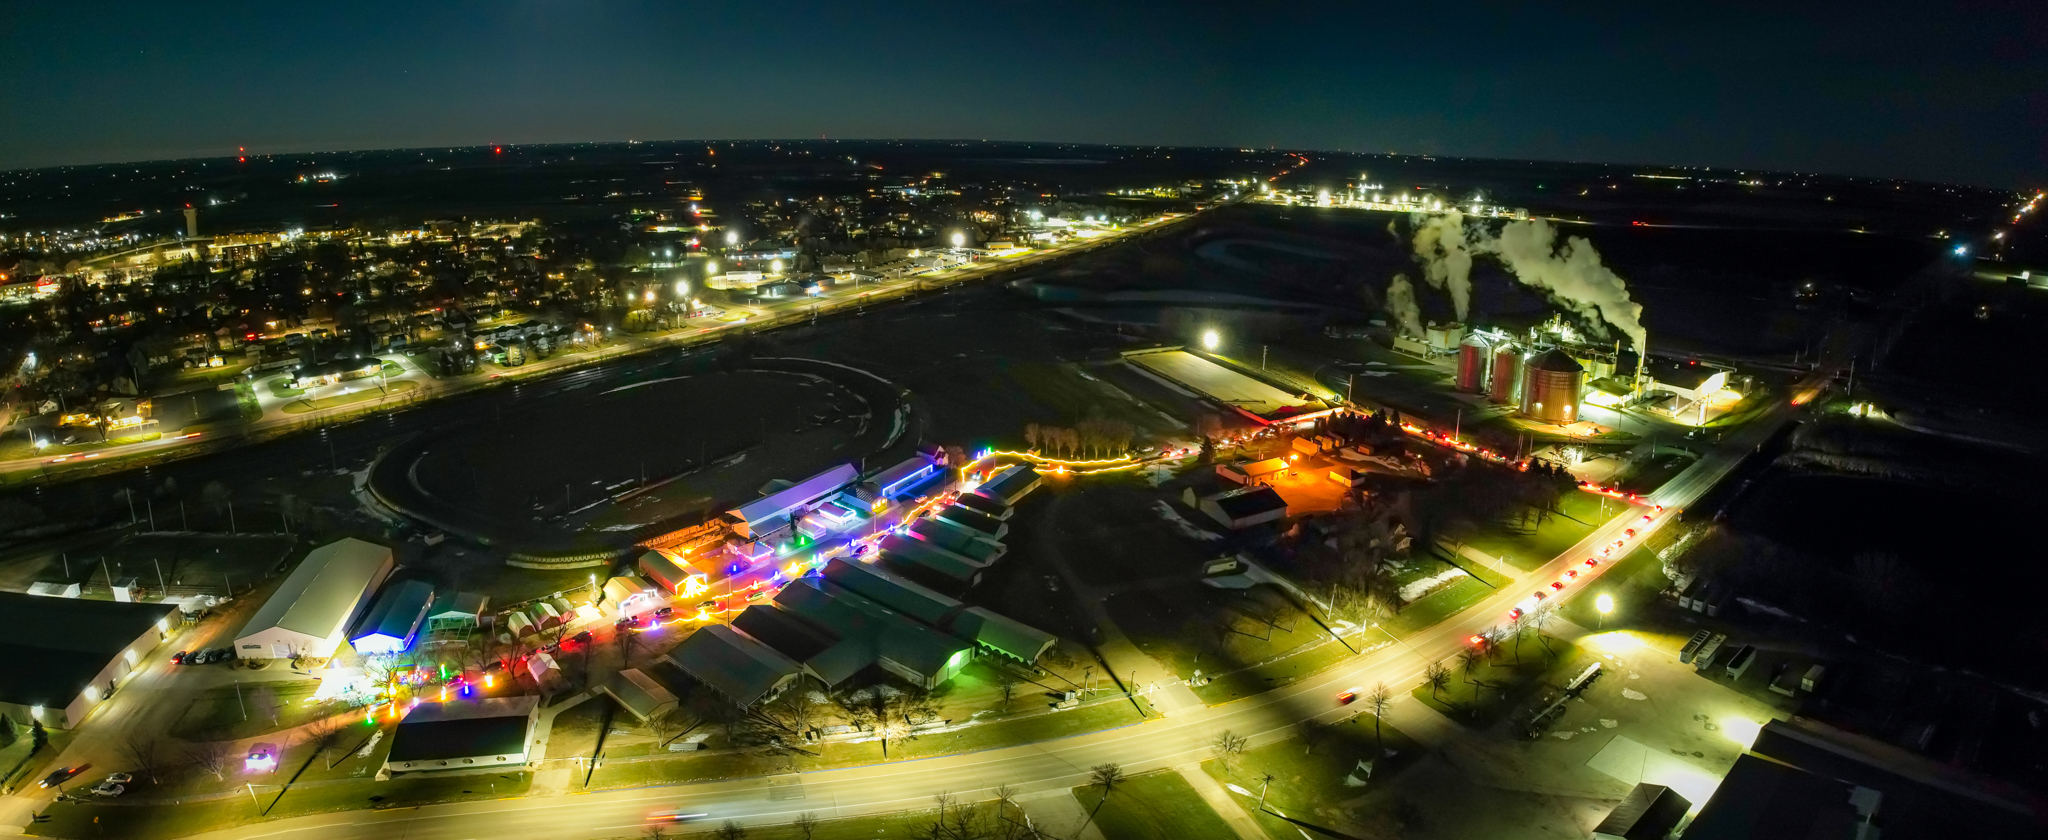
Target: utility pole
(1262, 356)
(160, 584)
(231, 517)
(109, 575)
(150, 505)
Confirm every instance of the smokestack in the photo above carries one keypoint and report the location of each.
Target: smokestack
(191, 222)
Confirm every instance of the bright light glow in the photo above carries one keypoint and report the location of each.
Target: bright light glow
(1604, 603)
(1741, 730)
(774, 265)
(650, 295)
(959, 240)
(682, 287)
(732, 238)
(1210, 340)
(1962, 250)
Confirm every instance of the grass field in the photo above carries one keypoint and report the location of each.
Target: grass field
(217, 714)
(1155, 806)
(1493, 689)
(1309, 784)
(369, 394)
(1527, 545)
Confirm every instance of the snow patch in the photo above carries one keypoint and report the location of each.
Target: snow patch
(1420, 587)
(642, 384)
(1181, 524)
(1633, 694)
(1610, 724)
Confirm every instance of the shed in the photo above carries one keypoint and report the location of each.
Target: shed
(50, 589)
(1246, 507)
(674, 572)
(985, 506)
(1010, 484)
(639, 694)
(463, 735)
(1250, 472)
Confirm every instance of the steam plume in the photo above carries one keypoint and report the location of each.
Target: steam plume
(1571, 273)
(1446, 255)
(1401, 305)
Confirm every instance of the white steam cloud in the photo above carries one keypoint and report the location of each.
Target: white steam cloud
(1573, 276)
(1446, 254)
(1570, 273)
(1401, 305)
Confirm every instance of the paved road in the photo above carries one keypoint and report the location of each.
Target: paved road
(1153, 745)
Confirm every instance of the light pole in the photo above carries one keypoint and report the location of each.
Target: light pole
(1605, 604)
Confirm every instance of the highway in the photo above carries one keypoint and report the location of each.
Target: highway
(1026, 768)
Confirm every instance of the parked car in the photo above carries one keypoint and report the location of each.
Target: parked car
(120, 778)
(179, 657)
(108, 789)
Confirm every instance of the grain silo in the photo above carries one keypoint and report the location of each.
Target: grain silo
(1507, 373)
(1472, 359)
(1550, 387)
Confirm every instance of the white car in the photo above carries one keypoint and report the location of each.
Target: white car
(120, 779)
(108, 789)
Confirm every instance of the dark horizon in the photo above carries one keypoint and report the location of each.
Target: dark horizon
(1918, 92)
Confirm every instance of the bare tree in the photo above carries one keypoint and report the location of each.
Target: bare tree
(1006, 687)
(730, 831)
(322, 736)
(797, 709)
(1436, 676)
(805, 825)
(144, 749)
(209, 756)
(1107, 776)
(1539, 620)
(1378, 700)
(1469, 659)
(1227, 746)
(655, 832)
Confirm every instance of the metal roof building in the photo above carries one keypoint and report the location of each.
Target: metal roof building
(1001, 634)
(914, 552)
(461, 735)
(742, 668)
(310, 611)
(869, 634)
(72, 652)
(893, 592)
(1010, 484)
(638, 694)
(765, 514)
(394, 618)
(958, 539)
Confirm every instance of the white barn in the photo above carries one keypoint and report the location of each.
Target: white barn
(310, 613)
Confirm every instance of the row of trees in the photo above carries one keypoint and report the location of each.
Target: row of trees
(1087, 439)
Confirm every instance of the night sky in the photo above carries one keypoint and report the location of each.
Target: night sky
(1919, 90)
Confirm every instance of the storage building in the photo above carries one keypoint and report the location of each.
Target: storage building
(464, 735)
(67, 654)
(312, 610)
(738, 666)
(394, 618)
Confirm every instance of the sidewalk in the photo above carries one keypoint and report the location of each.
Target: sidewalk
(1222, 802)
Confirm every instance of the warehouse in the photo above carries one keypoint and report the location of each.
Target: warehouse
(312, 609)
(461, 735)
(1010, 484)
(72, 653)
(869, 635)
(773, 512)
(908, 553)
(1245, 507)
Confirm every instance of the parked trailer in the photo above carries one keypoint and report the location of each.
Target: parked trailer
(1812, 678)
(1740, 662)
(1692, 646)
(1705, 658)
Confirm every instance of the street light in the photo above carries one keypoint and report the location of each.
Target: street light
(1605, 604)
(682, 287)
(959, 240)
(1210, 340)
(732, 237)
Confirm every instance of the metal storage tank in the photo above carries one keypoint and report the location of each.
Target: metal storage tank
(1472, 358)
(1507, 373)
(1550, 387)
